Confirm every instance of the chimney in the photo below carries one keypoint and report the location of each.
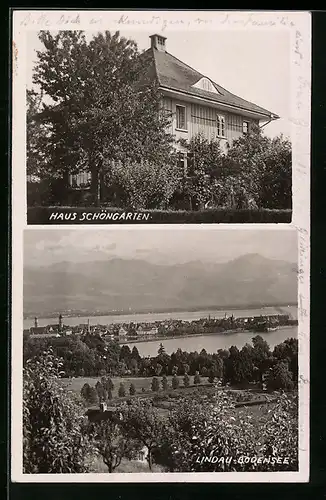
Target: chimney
(60, 321)
(35, 322)
(158, 42)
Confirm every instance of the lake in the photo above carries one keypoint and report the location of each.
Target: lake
(150, 317)
(213, 342)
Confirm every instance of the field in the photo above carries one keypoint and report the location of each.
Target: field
(75, 384)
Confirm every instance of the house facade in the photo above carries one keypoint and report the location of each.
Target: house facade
(196, 103)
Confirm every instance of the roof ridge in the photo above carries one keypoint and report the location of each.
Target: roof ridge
(155, 66)
(150, 51)
(185, 64)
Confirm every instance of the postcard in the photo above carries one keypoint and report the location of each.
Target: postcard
(160, 246)
(161, 117)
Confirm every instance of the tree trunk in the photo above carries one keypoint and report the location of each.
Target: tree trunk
(149, 459)
(96, 180)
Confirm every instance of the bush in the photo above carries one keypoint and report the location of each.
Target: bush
(175, 382)
(155, 385)
(132, 390)
(122, 390)
(186, 380)
(164, 383)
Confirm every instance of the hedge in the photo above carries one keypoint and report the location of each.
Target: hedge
(92, 215)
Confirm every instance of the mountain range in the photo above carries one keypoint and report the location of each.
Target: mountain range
(121, 284)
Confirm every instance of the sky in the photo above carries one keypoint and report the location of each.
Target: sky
(252, 64)
(158, 246)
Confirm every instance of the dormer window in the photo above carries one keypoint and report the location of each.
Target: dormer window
(205, 84)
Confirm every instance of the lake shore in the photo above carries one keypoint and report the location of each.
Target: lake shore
(226, 333)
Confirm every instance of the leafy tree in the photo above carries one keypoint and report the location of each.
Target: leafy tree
(122, 390)
(186, 380)
(261, 354)
(103, 104)
(288, 351)
(276, 176)
(280, 377)
(155, 384)
(175, 382)
(158, 369)
(93, 396)
(174, 370)
(259, 172)
(134, 366)
(85, 390)
(125, 353)
(109, 385)
(164, 383)
(53, 421)
(205, 160)
(218, 429)
(141, 421)
(110, 442)
(211, 376)
(144, 184)
(101, 392)
(132, 390)
(280, 432)
(196, 430)
(197, 379)
(161, 350)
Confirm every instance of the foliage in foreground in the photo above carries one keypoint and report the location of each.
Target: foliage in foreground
(53, 421)
(198, 432)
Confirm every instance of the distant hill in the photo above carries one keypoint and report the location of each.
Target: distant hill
(118, 284)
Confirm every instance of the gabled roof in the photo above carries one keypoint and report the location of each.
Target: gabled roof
(173, 74)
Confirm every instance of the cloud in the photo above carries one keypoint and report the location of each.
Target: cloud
(162, 245)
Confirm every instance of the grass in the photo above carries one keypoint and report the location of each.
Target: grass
(41, 215)
(98, 466)
(75, 384)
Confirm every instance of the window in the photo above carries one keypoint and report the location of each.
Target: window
(181, 117)
(220, 125)
(245, 127)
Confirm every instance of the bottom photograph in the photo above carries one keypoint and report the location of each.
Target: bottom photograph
(160, 351)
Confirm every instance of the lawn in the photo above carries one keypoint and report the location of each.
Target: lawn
(75, 384)
(98, 466)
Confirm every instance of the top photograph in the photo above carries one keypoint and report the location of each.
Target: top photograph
(126, 127)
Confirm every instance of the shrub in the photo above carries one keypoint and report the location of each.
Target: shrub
(122, 390)
(164, 383)
(186, 380)
(132, 390)
(175, 382)
(155, 384)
